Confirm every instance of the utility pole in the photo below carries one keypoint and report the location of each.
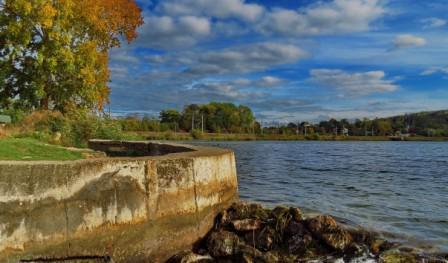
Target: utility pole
(202, 123)
(192, 123)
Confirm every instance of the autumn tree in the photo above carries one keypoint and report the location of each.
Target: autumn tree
(54, 53)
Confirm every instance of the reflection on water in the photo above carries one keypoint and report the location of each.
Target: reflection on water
(393, 187)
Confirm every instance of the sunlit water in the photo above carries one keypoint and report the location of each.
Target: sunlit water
(397, 188)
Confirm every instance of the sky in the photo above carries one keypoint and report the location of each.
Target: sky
(289, 60)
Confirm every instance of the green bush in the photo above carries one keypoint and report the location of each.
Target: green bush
(75, 128)
(196, 134)
(16, 114)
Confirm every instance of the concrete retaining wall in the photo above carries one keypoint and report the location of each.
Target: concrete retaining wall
(140, 209)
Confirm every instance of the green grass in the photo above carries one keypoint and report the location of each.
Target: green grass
(31, 149)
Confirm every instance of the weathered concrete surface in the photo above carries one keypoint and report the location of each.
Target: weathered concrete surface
(140, 209)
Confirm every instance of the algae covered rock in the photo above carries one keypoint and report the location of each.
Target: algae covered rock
(223, 243)
(266, 239)
(397, 257)
(326, 228)
(190, 257)
(246, 224)
(296, 213)
(244, 210)
(279, 212)
(250, 233)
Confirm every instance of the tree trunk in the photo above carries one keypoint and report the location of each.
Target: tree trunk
(44, 103)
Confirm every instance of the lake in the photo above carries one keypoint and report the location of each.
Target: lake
(397, 188)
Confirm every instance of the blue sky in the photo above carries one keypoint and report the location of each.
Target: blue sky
(289, 60)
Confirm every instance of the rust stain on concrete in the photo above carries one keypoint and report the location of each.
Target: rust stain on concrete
(129, 208)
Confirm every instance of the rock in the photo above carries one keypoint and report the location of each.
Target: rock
(379, 245)
(297, 244)
(266, 239)
(223, 219)
(296, 213)
(263, 240)
(223, 243)
(299, 238)
(246, 224)
(392, 256)
(190, 257)
(244, 210)
(270, 257)
(296, 228)
(279, 212)
(325, 228)
(246, 259)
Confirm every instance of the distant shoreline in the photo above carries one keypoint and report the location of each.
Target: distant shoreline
(184, 136)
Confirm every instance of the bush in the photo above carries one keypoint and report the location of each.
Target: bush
(74, 129)
(196, 134)
(16, 114)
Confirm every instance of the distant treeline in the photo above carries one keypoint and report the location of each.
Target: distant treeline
(214, 117)
(433, 123)
(229, 118)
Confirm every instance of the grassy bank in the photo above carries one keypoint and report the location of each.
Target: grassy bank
(183, 136)
(31, 149)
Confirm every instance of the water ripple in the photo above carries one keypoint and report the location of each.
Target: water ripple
(394, 187)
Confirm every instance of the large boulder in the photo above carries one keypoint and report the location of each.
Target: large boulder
(223, 243)
(299, 238)
(326, 228)
(244, 210)
(246, 224)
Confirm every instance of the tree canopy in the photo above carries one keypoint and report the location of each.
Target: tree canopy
(54, 53)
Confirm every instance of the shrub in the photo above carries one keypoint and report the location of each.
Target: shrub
(75, 128)
(196, 134)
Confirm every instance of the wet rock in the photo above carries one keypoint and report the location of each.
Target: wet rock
(246, 224)
(279, 212)
(296, 214)
(270, 257)
(266, 239)
(190, 257)
(325, 228)
(397, 257)
(223, 219)
(296, 228)
(246, 258)
(244, 210)
(223, 243)
(299, 238)
(378, 245)
(297, 244)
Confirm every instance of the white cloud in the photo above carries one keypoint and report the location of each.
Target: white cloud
(434, 22)
(246, 58)
(408, 41)
(216, 8)
(270, 81)
(169, 32)
(353, 84)
(338, 16)
(435, 70)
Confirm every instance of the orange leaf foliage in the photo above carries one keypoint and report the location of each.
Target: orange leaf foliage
(109, 18)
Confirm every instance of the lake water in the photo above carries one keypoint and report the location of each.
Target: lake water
(397, 188)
